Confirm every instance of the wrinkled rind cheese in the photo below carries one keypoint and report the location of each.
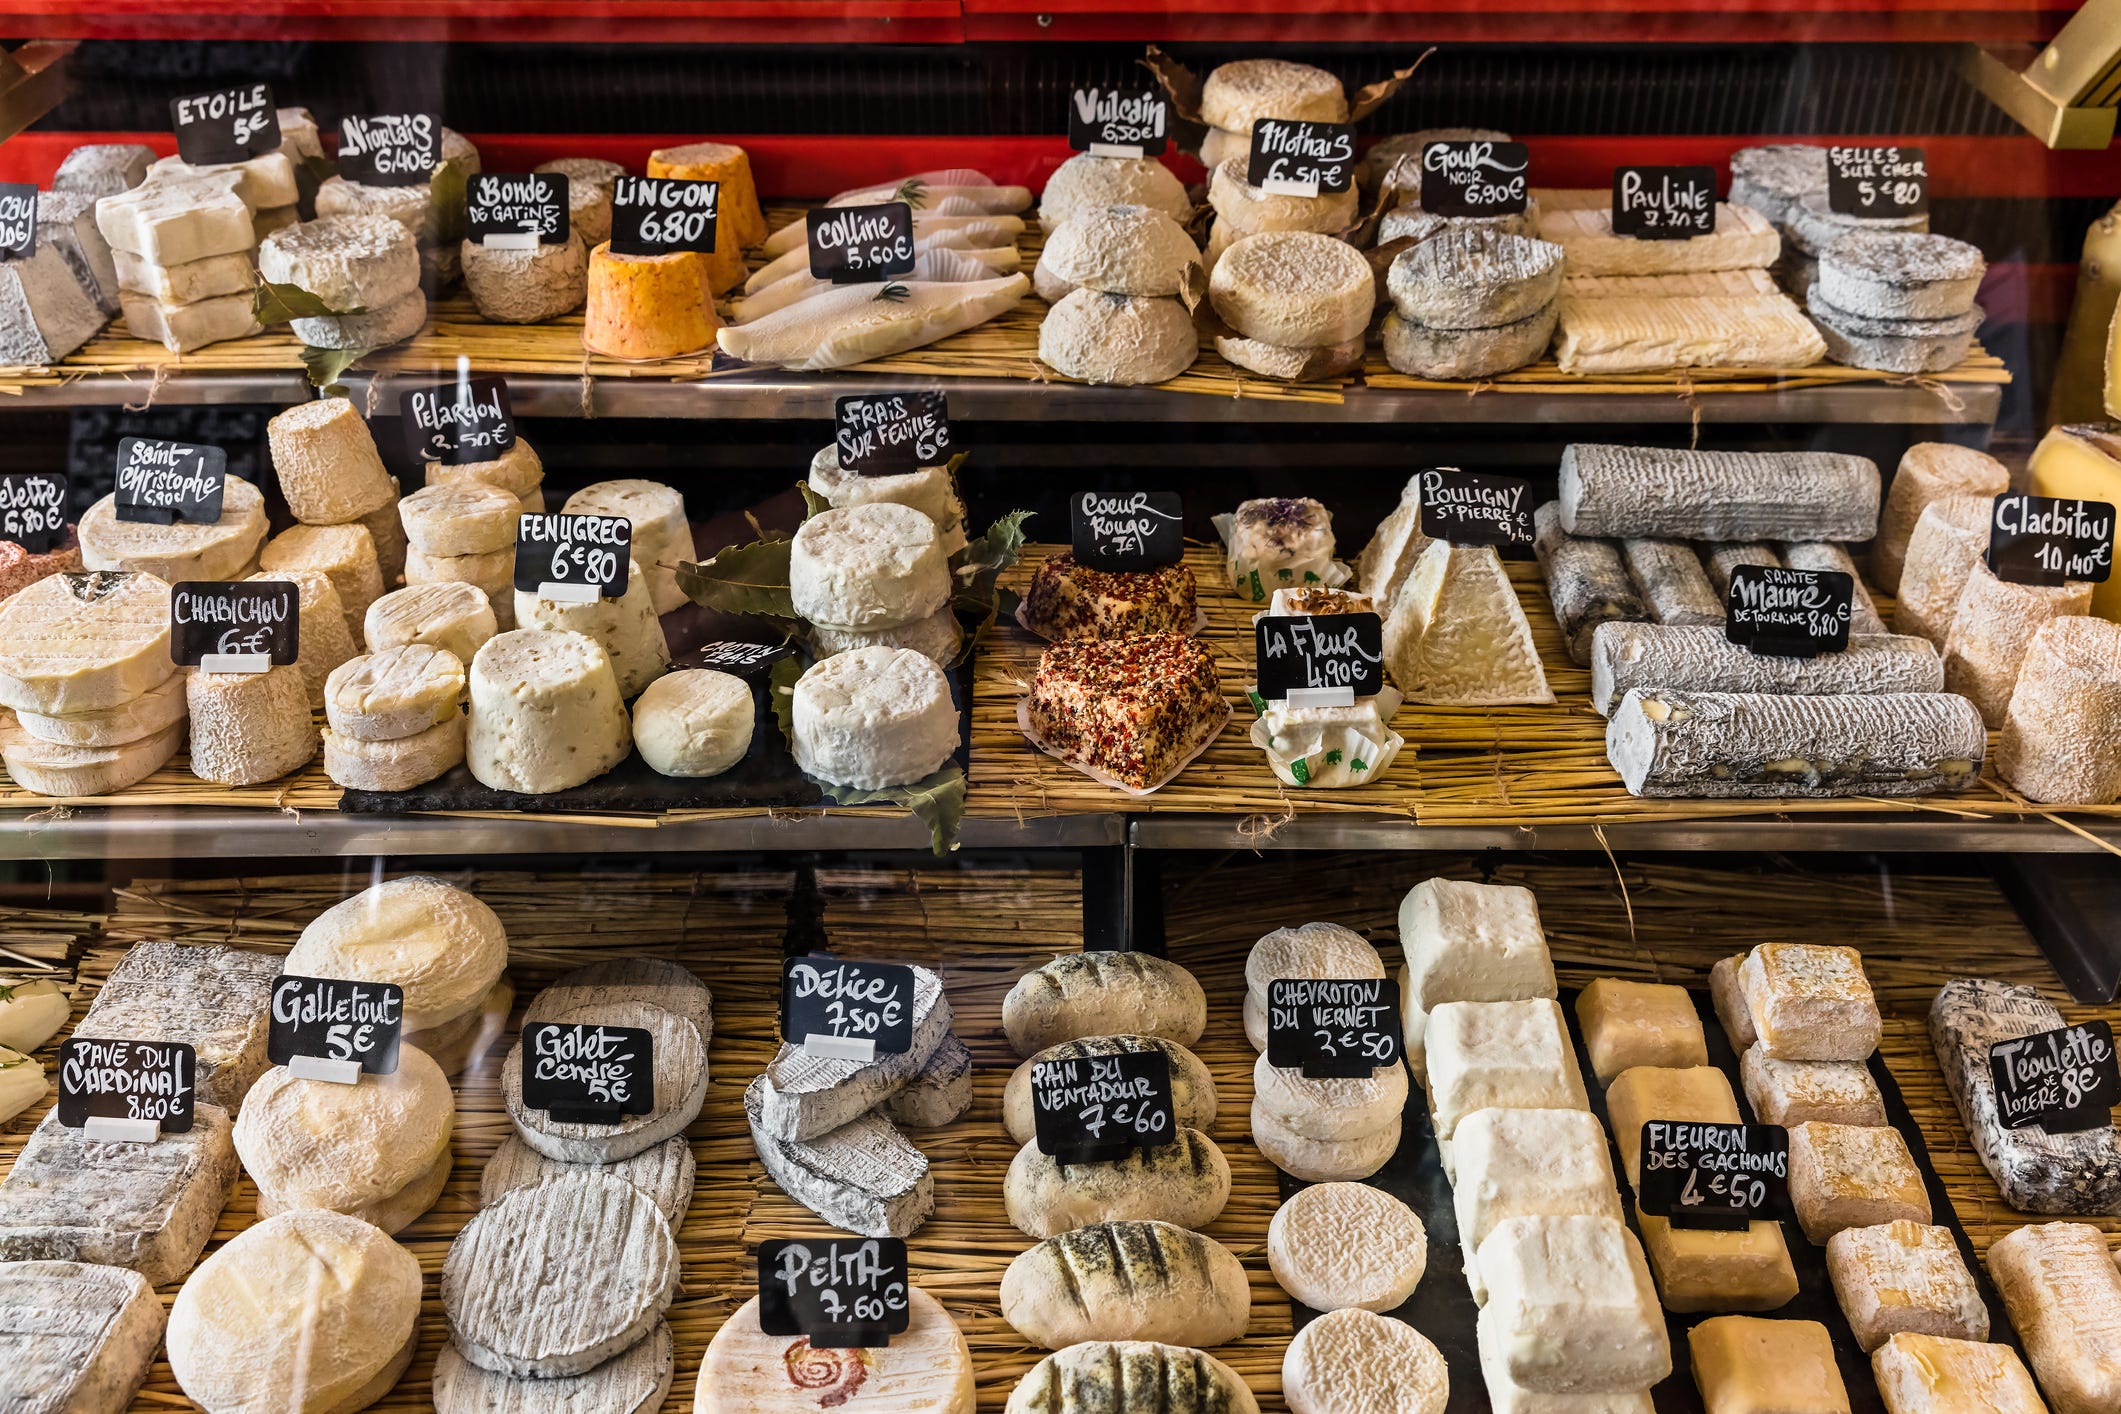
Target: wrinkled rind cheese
(80, 1338)
(450, 615)
(327, 463)
(348, 1148)
(1338, 1245)
(2061, 739)
(1129, 1375)
(873, 718)
(1992, 628)
(249, 727)
(1586, 580)
(1626, 656)
(863, 1177)
(1655, 491)
(648, 306)
(662, 534)
(1457, 635)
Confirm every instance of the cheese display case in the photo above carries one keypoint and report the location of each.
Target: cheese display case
(923, 707)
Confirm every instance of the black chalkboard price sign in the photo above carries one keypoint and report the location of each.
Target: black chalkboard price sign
(1291, 158)
(1477, 178)
(890, 434)
(1127, 531)
(573, 559)
(849, 1010)
(1118, 122)
(853, 245)
(664, 215)
(147, 1087)
(225, 125)
(588, 1074)
(1330, 1028)
(1714, 1175)
(2049, 541)
(1476, 507)
(18, 220)
(1310, 651)
(1664, 203)
(458, 423)
(2061, 1081)
(235, 626)
(1877, 181)
(516, 210)
(844, 1293)
(1094, 1109)
(352, 1027)
(1782, 613)
(159, 482)
(33, 508)
(390, 149)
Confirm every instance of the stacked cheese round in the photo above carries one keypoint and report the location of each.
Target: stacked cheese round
(366, 268)
(1297, 304)
(182, 243)
(181, 550)
(461, 536)
(451, 615)
(872, 718)
(546, 713)
(1471, 303)
(1087, 182)
(662, 534)
(1928, 472)
(1900, 301)
(1242, 209)
(344, 554)
(433, 212)
(626, 627)
(394, 719)
(590, 181)
(1114, 275)
(931, 490)
(1318, 1130)
(873, 575)
(1237, 95)
(84, 663)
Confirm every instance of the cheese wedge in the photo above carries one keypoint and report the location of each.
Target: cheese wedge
(1457, 635)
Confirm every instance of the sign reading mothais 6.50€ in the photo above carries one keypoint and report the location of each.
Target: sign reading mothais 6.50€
(390, 149)
(844, 1293)
(573, 559)
(235, 626)
(1291, 158)
(847, 1010)
(136, 1083)
(225, 124)
(664, 215)
(586, 1073)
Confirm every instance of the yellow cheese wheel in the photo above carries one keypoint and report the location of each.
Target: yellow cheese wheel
(721, 162)
(648, 306)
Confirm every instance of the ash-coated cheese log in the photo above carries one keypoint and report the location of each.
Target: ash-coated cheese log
(2064, 1295)
(805, 1096)
(1826, 555)
(864, 1177)
(1758, 745)
(1100, 994)
(1127, 1281)
(2076, 1174)
(1131, 1375)
(1623, 492)
(1193, 1098)
(1586, 579)
(1675, 589)
(1724, 559)
(80, 1338)
(2062, 733)
(1185, 1182)
(1701, 659)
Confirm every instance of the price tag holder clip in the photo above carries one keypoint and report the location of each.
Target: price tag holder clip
(109, 1129)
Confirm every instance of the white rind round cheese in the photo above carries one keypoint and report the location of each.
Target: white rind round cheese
(662, 535)
(326, 459)
(636, 1381)
(1294, 288)
(1293, 364)
(664, 1171)
(1322, 1160)
(1119, 250)
(1185, 1183)
(557, 1278)
(679, 1056)
(443, 946)
(1117, 339)
(1253, 210)
(399, 692)
(1336, 1245)
(74, 643)
(451, 615)
(873, 718)
(1474, 278)
(142, 717)
(348, 262)
(1337, 1110)
(386, 324)
(937, 637)
(180, 550)
(1358, 1362)
(929, 490)
(545, 713)
(1311, 951)
(63, 771)
(654, 980)
(492, 574)
(517, 470)
(249, 727)
(526, 286)
(926, 1369)
(1236, 95)
(324, 635)
(302, 1314)
(869, 566)
(626, 627)
(694, 723)
(459, 518)
(1086, 182)
(398, 764)
(345, 553)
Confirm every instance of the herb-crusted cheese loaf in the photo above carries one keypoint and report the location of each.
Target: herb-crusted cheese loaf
(1103, 993)
(1127, 1281)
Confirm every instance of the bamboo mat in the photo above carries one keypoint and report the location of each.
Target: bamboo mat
(1980, 367)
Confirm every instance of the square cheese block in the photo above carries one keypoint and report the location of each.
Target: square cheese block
(75, 1338)
(178, 220)
(1730, 1002)
(180, 328)
(1509, 1055)
(1626, 1024)
(1506, 1396)
(214, 999)
(1708, 1269)
(1809, 1002)
(2064, 1295)
(1904, 1276)
(1570, 1307)
(1467, 942)
(195, 280)
(1528, 1163)
(264, 181)
(1791, 1092)
(1745, 1365)
(1700, 1093)
(1848, 1175)
(1930, 1374)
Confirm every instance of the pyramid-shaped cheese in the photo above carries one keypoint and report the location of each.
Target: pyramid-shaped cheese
(1456, 636)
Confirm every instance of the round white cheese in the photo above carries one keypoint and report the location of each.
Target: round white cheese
(1252, 210)
(399, 692)
(679, 1057)
(516, 471)
(1337, 1109)
(397, 764)
(868, 566)
(1085, 182)
(451, 615)
(180, 550)
(873, 718)
(322, 452)
(1298, 289)
(348, 262)
(1358, 1362)
(929, 490)
(526, 286)
(1321, 1160)
(144, 716)
(65, 771)
(926, 1369)
(694, 723)
(1336, 1245)
(1236, 95)
(442, 945)
(545, 713)
(626, 627)
(1311, 951)
(1119, 250)
(664, 1171)
(459, 518)
(84, 642)
(635, 1382)
(654, 980)
(1118, 339)
(662, 536)
(249, 727)
(386, 324)
(492, 574)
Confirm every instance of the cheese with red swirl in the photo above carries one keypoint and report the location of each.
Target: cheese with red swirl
(926, 1369)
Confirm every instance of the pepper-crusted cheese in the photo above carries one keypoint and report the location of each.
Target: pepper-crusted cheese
(649, 306)
(1131, 708)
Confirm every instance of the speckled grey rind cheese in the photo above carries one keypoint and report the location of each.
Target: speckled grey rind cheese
(1474, 279)
(214, 999)
(526, 286)
(391, 323)
(864, 1177)
(149, 1207)
(1894, 345)
(679, 1057)
(1127, 1281)
(1421, 352)
(556, 1279)
(1664, 492)
(1103, 994)
(1723, 559)
(663, 1171)
(1193, 1097)
(1900, 275)
(1812, 224)
(67, 222)
(637, 1381)
(1701, 659)
(348, 262)
(104, 168)
(77, 1338)
(1864, 618)
(1586, 580)
(654, 980)
(1134, 1376)
(2074, 1174)
(1675, 589)
(2061, 741)
(804, 1096)
(1774, 178)
(1758, 745)
(1185, 1182)
(939, 1092)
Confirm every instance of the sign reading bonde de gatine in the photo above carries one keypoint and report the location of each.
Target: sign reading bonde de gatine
(518, 210)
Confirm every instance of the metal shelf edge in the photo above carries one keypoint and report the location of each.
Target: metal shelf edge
(1789, 834)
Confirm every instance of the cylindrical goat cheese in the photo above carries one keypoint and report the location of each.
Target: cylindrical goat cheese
(545, 712)
(873, 718)
(868, 567)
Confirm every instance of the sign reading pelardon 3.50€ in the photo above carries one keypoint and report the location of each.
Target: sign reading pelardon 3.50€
(1118, 122)
(573, 559)
(1476, 507)
(126, 1089)
(516, 210)
(1333, 1027)
(1291, 158)
(1306, 653)
(664, 215)
(1095, 1109)
(1477, 178)
(1784, 613)
(225, 125)
(458, 423)
(1126, 532)
(843, 1293)
(847, 1010)
(33, 508)
(235, 626)
(390, 149)
(1664, 203)
(855, 245)
(161, 482)
(1714, 1175)
(330, 1028)
(1877, 181)
(2049, 541)
(2061, 1081)
(891, 434)
(585, 1073)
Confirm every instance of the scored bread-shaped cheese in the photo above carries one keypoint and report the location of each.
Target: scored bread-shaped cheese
(737, 207)
(327, 463)
(459, 518)
(1702, 659)
(679, 1085)
(180, 550)
(864, 1177)
(663, 1171)
(804, 1096)
(81, 1337)
(634, 1382)
(1117, 339)
(347, 262)
(1356, 1359)
(2061, 741)
(1586, 579)
(873, 718)
(1339, 1245)
(557, 1278)
(491, 574)
(694, 723)
(1251, 210)
(1322, 1160)
(528, 285)
(1295, 288)
(1742, 239)
(346, 553)
(1457, 635)
(1103, 993)
(1470, 278)
(453, 616)
(249, 727)
(1948, 541)
(855, 323)
(1129, 1374)
(518, 471)
(399, 692)
(648, 306)
(1193, 1098)
(1120, 250)
(626, 627)
(1086, 182)
(50, 769)
(1928, 472)
(443, 946)
(926, 1369)
(662, 534)
(1127, 1281)
(1184, 1182)
(545, 712)
(84, 642)
(1658, 491)
(1992, 627)
(323, 635)
(214, 999)
(137, 719)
